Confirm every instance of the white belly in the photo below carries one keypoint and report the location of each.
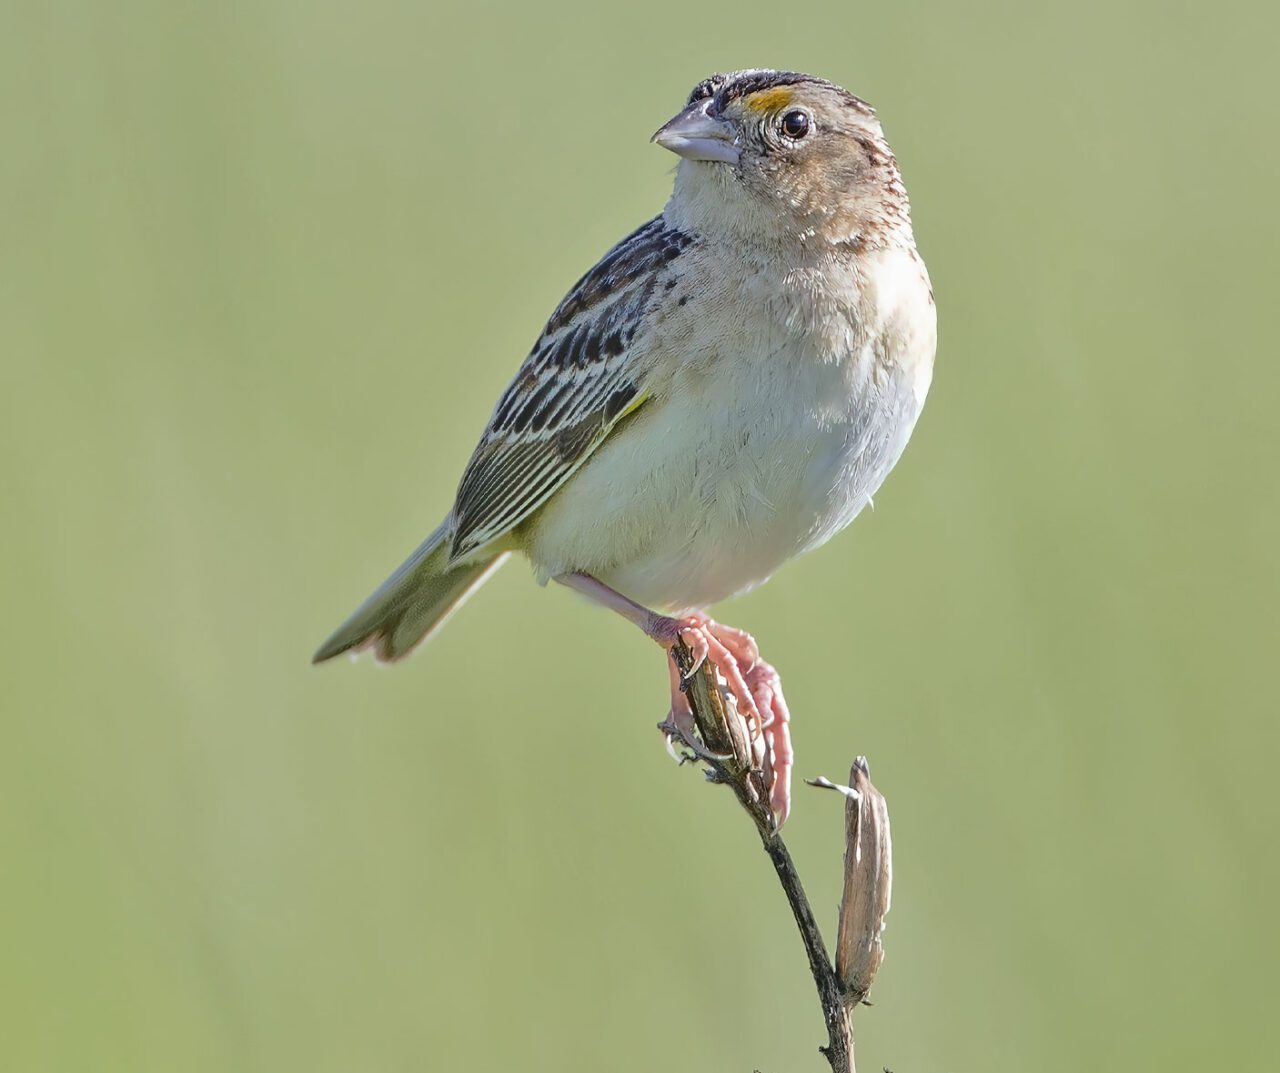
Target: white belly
(737, 467)
(703, 498)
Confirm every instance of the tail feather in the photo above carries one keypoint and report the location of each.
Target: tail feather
(411, 604)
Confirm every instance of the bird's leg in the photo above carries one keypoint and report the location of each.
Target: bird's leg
(754, 684)
(726, 648)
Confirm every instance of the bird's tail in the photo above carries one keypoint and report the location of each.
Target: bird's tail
(411, 604)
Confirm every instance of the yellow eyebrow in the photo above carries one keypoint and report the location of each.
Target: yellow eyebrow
(768, 100)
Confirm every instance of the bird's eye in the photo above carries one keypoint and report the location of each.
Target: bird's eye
(795, 125)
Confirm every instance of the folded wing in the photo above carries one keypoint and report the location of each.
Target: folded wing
(579, 381)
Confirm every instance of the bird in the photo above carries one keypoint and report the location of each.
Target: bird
(723, 391)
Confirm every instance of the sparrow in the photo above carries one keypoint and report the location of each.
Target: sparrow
(725, 390)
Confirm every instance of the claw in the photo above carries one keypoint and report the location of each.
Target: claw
(672, 733)
(698, 645)
(669, 739)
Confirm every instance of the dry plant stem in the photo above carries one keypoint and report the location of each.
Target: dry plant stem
(839, 1049)
(725, 736)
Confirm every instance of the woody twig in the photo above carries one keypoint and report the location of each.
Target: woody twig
(734, 755)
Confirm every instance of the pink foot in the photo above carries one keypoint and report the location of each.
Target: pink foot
(755, 687)
(766, 687)
(754, 684)
(707, 641)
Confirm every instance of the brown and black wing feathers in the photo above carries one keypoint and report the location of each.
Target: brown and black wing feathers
(571, 390)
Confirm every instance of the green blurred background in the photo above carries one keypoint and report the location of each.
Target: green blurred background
(266, 267)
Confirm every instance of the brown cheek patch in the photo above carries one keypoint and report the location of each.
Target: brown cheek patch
(769, 100)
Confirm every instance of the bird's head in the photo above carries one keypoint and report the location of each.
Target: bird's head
(779, 156)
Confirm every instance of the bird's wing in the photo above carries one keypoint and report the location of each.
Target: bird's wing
(579, 381)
